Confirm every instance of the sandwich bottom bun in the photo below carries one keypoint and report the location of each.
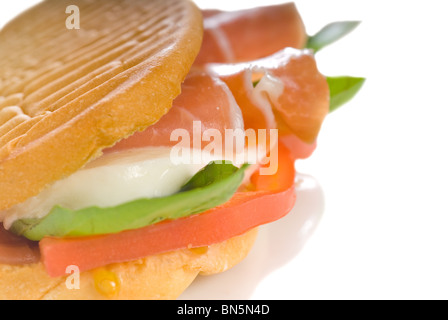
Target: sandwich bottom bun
(160, 277)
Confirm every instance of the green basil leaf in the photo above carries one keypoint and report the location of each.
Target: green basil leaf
(331, 33)
(212, 186)
(214, 172)
(343, 89)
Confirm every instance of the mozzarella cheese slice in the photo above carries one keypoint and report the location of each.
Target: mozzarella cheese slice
(114, 179)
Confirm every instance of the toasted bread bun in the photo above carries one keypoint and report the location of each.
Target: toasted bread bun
(65, 94)
(163, 276)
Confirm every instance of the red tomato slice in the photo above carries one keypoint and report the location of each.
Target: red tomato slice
(273, 198)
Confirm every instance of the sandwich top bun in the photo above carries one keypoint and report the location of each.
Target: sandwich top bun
(66, 94)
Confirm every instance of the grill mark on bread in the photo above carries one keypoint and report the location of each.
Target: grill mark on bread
(101, 46)
(59, 82)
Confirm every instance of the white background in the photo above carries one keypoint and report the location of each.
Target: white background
(381, 164)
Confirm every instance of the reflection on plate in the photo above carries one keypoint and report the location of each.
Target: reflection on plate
(277, 244)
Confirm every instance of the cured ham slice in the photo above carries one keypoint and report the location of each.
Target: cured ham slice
(290, 82)
(250, 34)
(15, 250)
(289, 89)
(204, 98)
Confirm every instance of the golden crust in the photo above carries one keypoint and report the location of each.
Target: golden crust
(163, 276)
(67, 94)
